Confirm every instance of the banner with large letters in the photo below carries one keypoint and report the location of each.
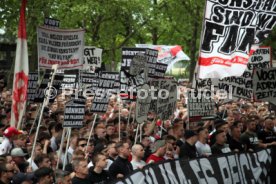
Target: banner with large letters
(227, 168)
(231, 29)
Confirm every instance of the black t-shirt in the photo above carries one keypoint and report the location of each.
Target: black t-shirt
(220, 149)
(234, 144)
(77, 180)
(188, 151)
(250, 139)
(267, 136)
(120, 166)
(96, 178)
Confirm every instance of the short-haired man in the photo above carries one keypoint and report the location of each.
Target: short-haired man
(249, 138)
(202, 145)
(44, 175)
(159, 151)
(62, 177)
(267, 134)
(42, 160)
(81, 172)
(121, 167)
(97, 174)
(220, 145)
(137, 155)
(188, 149)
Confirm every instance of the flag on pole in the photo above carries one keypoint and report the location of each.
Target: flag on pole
(21, 70)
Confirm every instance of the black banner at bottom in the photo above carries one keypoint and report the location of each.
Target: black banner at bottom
(231, 168)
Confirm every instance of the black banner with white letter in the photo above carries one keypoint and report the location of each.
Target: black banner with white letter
(228, 168)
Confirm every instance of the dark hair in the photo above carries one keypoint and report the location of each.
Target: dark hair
(42, 172)
(95, 158)
(39, 159)
(61, 174)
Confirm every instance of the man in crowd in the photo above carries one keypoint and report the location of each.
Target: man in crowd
(188, 149)
(44, 175)
(202, 145)
(42, 160)
(267, 134)
(121, 167)
(220, 145)
(137, 155)
(81, 172)
(249, 138)
(97, 174)
(62, 177)
(9, 135)
(234, 140)
(6, 173)
(158, 152)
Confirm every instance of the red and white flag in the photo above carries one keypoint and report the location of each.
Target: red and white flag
(21, 70)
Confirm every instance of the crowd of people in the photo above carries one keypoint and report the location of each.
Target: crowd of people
(107, 156)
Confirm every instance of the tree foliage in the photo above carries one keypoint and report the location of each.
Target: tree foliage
(112, 24)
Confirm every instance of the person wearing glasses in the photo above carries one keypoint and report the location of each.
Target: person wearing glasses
(6, 173)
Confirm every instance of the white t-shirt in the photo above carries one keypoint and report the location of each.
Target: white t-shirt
(137, 165)
(203, 149)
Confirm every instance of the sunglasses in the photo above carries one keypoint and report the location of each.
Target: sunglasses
(12, 171)
(82, 145)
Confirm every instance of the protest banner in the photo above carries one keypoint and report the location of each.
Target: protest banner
(261, 58)
(151, 57)
(92, 58)
(134, 71)
(242, 87)
(200, 104)
(104, 91)
(69, 81)
(142, 103)
(227, 168)
(73, 115)
(61, 47)
(32, 86)
(89, 81)
(264, 85)
(230, 30)
(50, 22)
(163, 97)
(167, 98)
(167, 54)
(160, 70)
(57, 80)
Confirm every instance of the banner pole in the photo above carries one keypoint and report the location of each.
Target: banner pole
(67, 147)
(141, 133)
(45, 102)
(136, 135)
(130, 109)
(90, 133)
(37, 114)
(119, 106)
(61, 145)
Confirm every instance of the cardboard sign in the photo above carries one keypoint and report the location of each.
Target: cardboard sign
(200, 105)
(62, 47)
(160, 70)
(104, 91)
(264, 85)
(40, 95)
(73, 115)
(143, 103)
(32, 86)
(89, 80)
(134, 71)
(92, 58)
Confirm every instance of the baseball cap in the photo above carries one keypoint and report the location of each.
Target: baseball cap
(11, 131)
(158, 144)
(18, 152)
(189, 133)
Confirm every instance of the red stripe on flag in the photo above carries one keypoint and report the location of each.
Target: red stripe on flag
(220, 61)
(22, 24)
